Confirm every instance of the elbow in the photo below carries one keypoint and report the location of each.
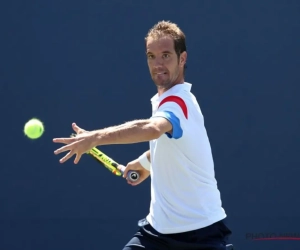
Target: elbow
(155, 132)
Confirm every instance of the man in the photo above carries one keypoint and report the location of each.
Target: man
(186, 210)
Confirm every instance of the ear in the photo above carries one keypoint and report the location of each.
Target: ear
(183, 59)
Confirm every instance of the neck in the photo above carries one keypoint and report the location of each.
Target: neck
(161, 90)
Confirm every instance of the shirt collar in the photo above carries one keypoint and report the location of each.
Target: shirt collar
(183, 86)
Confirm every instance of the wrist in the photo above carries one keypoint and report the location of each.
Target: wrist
(143, 160)
(96, 138)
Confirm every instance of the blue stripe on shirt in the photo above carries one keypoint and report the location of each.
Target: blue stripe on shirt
(176, 128)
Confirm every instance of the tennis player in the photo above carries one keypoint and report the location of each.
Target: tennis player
(186, 210)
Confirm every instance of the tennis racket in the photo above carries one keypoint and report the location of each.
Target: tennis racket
(110, 164)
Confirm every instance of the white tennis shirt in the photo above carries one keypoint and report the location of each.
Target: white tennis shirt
(184, 192)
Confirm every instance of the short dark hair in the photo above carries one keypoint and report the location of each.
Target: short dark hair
(167, 28)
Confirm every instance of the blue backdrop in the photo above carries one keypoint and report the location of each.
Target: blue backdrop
(84, 62)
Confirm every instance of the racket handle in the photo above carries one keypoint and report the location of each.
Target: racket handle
(133, 176)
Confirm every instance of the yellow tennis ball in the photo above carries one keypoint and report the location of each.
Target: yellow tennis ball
(34, 128)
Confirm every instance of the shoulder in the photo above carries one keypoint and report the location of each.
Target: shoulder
(177, 101)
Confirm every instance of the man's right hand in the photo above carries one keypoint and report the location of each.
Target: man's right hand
(136, 166)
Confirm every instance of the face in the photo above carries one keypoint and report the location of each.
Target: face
(165, 67)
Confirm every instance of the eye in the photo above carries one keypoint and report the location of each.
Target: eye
(166, 55)
(149, 56)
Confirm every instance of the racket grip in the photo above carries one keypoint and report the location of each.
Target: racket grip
(133, 176)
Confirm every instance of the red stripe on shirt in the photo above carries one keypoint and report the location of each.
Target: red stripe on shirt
(179, 101)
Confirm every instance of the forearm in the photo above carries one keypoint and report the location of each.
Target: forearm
(127, 133)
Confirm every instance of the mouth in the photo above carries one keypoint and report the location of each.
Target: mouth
(160, 73)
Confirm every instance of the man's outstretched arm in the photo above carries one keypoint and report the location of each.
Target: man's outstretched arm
(133, 132)
(127, 133)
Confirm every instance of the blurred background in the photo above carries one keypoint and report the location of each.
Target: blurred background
(84, 62)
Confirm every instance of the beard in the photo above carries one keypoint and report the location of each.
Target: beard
(165, 81)
(166, 84)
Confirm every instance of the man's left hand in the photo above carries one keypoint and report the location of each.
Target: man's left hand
(79, 145)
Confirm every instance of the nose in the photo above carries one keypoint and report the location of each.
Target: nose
(158, 62)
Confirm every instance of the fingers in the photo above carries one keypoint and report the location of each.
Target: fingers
(73, 145)
(134, 183)
(66, 157)
(122, 169)
(69, 155)
(63, 149)
(125, 173)
(77, 159)
(64, 140)
(77, 129)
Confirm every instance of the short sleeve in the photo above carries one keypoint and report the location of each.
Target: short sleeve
(174, 109)
(173, 119)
